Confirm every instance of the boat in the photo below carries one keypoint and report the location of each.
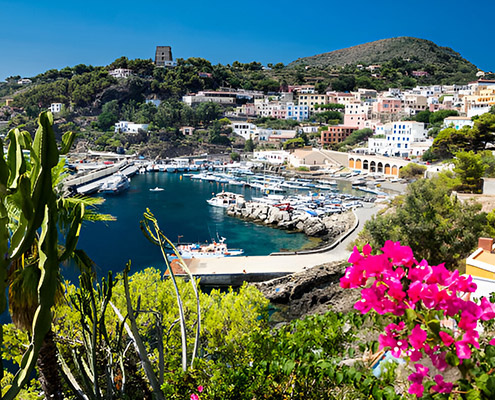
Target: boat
(115, 184)
(225, 199)
(207, 250)
(157, 189)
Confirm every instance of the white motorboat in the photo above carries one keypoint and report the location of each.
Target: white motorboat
(157, 189)
(226, 199)
(117, 183)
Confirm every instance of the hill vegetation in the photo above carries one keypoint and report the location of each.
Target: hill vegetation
(415, 50)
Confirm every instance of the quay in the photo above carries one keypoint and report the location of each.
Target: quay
(233, 271)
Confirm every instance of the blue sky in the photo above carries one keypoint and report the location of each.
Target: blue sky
(36, 36)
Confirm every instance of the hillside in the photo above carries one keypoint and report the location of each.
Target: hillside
(416, 50)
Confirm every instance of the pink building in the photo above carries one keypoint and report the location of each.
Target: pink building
(388, 106)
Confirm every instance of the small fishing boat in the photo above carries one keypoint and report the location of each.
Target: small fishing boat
(207, 250)
(157, 189)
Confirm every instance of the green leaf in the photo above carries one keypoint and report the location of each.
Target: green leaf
(434, 325)
(67, 141)
(339, 377)
(452, 359)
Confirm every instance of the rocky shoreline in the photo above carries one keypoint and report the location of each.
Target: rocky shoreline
(313, 291)
(327, 228)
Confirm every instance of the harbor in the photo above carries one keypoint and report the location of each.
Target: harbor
(180, 203)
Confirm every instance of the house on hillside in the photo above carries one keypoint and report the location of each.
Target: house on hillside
(129, 127)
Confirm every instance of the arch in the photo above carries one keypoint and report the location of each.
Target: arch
(395, 171)
(366, 164)
(351, 162)
(387, 169)
(379, 168)
(372, 166)
(359, 164)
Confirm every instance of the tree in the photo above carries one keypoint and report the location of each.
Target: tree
(438, 116)
(469, 167)
(434, 224)
(249, 146)
(483, 132)
(235, 156)
(412, 171)
(357, 136)
(449, 141)
(423, 116)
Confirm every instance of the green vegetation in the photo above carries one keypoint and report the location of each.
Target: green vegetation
(412, 171)
(450, 141)
(355, 138)
(397, 58)
(433, 223)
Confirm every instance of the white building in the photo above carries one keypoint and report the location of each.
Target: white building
(56, 107)
(24, 81)
(120, 72)
(272, 157)
(457, 122)
(299, 113)
(401, 139)
(245, 129)
(129, 127)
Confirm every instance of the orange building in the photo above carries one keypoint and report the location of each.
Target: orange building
(336, 134)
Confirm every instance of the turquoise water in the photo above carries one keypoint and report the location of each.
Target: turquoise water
(181, 210)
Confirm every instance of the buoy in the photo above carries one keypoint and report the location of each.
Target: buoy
(180, 178)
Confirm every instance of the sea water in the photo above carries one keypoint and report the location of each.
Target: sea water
(183, 215)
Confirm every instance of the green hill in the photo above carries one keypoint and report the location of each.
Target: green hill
(415, 50)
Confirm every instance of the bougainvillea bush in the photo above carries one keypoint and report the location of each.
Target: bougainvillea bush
(435, 325)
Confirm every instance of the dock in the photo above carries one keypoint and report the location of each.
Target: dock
(90, 182)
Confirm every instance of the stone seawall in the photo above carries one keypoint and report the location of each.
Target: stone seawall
(326, 227)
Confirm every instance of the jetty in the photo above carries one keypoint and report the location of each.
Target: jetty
(89, 182)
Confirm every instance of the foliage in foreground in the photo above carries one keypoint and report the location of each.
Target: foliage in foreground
(433, 323)
(436, 225)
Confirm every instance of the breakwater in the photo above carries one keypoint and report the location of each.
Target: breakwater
(328, 227)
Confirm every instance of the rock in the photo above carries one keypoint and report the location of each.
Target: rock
(313, 291)
(314, 227)
(300, 225)
(274, 215)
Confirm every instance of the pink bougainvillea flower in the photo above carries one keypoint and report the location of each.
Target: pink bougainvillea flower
(488, 309)
(417, 338)
(417, 380)
(399, 255)
(472, 337)
(464, 284)
(415, 290)
(391, 339)
(442, 386)
(446, 338)
(200, 389)
(492, 342)
(463, 350)
(420, 272)
(415, 355)
(194, 396)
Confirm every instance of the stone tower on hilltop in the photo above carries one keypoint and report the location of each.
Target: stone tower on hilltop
(163, 56)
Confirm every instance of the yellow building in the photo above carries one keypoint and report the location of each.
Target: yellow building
(310, 100)
(481, 266)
